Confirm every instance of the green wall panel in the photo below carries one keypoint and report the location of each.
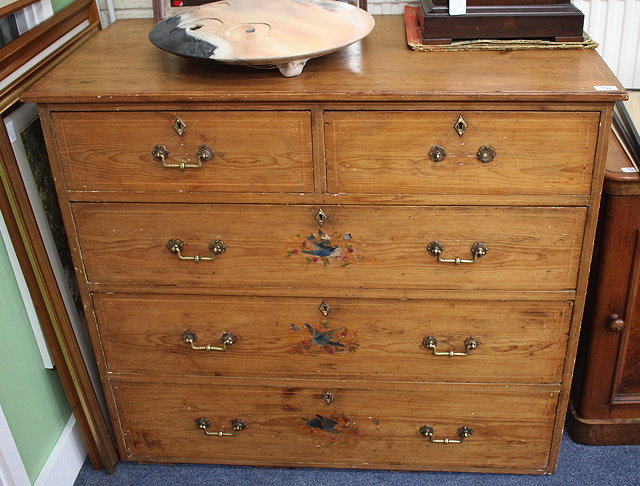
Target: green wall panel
(31, 396)
(60, 4)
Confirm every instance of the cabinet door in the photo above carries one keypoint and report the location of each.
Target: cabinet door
(611, 386)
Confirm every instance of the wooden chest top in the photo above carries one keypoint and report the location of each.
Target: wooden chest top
(121, 65)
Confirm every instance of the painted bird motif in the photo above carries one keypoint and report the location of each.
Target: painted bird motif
(324, 423)
(322, 248)
(324, 338)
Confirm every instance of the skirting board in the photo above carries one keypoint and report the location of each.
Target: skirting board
(66, 459)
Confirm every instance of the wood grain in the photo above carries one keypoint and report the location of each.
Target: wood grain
(387, 152)
(529, 248)
(379, 68)
(377, 339)
(254, 151)
(511, 425)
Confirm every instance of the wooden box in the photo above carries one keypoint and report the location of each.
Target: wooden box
(556, 20)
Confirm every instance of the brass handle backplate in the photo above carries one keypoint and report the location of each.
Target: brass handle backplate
(470, 344)
(463, 433)
(217, 247)
(478, 249)
(486, 154)
(328, 397)
(161, 152)
(236, 425)
(437, 153)
(226, 338)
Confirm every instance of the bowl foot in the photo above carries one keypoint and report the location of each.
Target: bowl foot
(293, 68)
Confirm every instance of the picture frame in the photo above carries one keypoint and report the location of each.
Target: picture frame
(168, 8)
(24, 60)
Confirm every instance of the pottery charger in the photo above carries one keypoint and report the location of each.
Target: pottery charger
(263, 33)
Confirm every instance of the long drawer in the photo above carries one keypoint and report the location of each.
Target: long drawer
(420, 152)
(337, 425)
(525, 248)
(251, 151)
(358, 338)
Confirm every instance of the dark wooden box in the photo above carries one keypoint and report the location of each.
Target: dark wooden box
(556, 20)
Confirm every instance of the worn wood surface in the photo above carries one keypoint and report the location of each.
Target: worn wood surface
(374, 339)
(254, 151)
(375, 247)
(529, 159)
(377, 427)
(379, 68)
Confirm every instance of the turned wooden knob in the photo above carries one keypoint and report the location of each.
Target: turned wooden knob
(616, 324)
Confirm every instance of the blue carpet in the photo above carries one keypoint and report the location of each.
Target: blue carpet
(578, 465)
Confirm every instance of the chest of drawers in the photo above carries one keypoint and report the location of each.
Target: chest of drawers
(378, 264)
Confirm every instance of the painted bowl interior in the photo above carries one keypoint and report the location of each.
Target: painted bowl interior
(262, 32)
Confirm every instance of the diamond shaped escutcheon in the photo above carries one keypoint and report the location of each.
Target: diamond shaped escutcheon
(179, 126)
(460, 126)
(321, 217)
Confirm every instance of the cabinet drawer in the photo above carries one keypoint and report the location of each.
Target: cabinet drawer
(387, 152)
(358, 338)
(373, 247)
(290, 423)
(253, 151)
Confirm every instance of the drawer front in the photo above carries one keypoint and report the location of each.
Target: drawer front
(374, 247)
(253, 151)
(387, 152)
(358, 338)
(290, 423)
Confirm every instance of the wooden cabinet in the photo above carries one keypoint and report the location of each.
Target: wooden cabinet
(369, 265)
(606, 401)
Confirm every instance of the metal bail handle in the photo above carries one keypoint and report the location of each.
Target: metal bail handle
(478, 249)
(463, 433)
(226, 338)
(237, 425)
(161, 152)
(217, 247)
(470, 344)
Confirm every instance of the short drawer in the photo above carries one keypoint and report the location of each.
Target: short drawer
(280, 337)
(420, 152)
(251, 151)
(337, 425)
(356, 247)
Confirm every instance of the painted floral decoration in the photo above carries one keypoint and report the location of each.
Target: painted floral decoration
(323, 340)
(327, 249)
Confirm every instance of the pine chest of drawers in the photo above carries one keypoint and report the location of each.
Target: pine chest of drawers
(378, 264)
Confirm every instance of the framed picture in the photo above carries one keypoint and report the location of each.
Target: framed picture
(30, 46)
(168, 8)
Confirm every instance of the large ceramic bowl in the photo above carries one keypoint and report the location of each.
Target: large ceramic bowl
(280, 33)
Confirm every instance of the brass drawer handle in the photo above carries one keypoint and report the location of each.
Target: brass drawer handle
(463, 433)
(486, 154)
(478, 249)
(226, 338)
(217, 247)
(470, 344)
(437, 153)
(161, 152)
(237, 425)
